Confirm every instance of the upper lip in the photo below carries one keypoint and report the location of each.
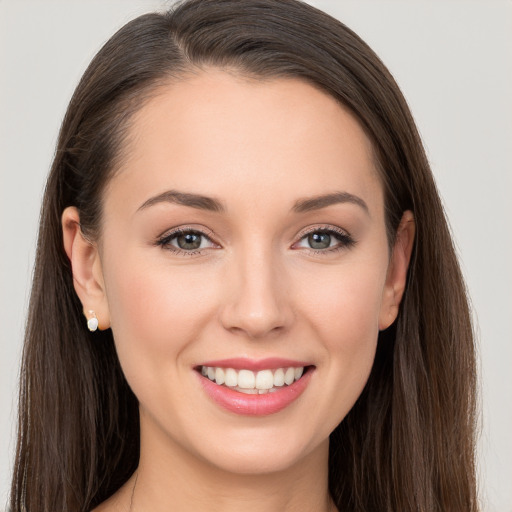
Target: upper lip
(244, 363)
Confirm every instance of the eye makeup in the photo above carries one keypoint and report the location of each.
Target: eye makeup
(324, 239)
(319, 240)
(187, 241)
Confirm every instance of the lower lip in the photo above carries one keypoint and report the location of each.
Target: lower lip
(255, 405)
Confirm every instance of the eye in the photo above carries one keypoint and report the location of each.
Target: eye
(319, 240)
(325, 240)
(186, 240)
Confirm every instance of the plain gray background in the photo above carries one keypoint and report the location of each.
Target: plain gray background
(453, 61)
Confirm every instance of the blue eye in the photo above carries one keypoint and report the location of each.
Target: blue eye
(185, 240)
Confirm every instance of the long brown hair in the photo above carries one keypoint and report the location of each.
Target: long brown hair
(408, 443)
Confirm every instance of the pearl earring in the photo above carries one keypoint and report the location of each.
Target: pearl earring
(92, 323)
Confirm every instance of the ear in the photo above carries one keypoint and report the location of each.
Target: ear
(86, 268)
(396, 277)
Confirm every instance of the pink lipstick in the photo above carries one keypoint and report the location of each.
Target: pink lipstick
(254, 387)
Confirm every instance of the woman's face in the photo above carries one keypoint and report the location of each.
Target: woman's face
(245, 231)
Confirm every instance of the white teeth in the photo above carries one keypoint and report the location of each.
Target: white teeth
(231, 378)
(247, 381)
(219, 376)
(289, 376)
(264, 380)
(279, 377)
(251, 391)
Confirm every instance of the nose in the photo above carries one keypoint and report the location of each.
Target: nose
(257, 301)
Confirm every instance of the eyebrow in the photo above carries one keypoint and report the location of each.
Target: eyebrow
(210, 204)
(186, 199)
(318, 202)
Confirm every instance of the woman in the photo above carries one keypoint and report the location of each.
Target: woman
(245, 291)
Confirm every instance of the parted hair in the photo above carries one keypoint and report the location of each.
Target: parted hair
(408, 443)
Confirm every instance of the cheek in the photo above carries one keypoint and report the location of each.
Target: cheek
(346, 310)
(344, 317)
(155, 314)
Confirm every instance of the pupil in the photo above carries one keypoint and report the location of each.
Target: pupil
(189, 241)
(319, 240)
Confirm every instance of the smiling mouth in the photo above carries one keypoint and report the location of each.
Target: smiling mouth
(254, 382)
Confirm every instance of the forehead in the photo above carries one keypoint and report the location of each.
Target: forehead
(219, 134)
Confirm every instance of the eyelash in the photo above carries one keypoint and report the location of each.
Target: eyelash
(165, 240)
(345, 240)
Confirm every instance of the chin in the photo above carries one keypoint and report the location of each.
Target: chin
(263, 453)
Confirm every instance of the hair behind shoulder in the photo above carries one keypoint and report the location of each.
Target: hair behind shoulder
(408, 443)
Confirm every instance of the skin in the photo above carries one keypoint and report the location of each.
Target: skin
(256, 290)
